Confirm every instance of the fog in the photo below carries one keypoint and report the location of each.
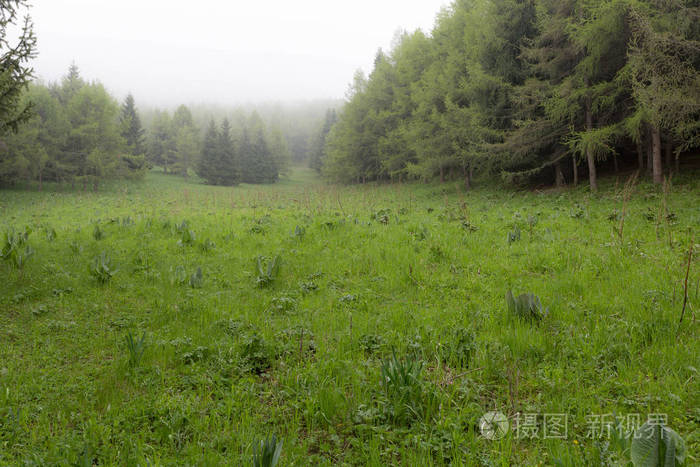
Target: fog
(171, 51)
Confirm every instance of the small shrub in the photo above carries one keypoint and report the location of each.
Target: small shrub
(267, 453)
(102, 268)
(299, 232)
(526, 306)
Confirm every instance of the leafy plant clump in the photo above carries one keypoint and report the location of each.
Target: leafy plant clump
(197, 279)
(408, 396)
(267, 453)
(256, 353)
(526, 306)
(97, 233)
(135, 348)
(267, 270)
(514, 235)
(102, 268)
(15, 248)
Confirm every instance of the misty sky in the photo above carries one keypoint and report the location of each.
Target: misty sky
(227, 52)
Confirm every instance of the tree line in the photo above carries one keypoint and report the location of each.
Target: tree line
(74, 132)
(243, 149)
(529, 89)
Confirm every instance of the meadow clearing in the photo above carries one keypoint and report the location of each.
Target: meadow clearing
(167, 322)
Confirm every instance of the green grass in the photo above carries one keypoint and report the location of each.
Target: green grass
(382, 337)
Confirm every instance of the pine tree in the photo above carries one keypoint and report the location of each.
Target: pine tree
(131, 129)
(226, 161)
(161, 144)
(15, 72)
(318, 152)
(207, 167)
(186, 137)
(257, 163)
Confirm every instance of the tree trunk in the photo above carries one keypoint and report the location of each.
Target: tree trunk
(442, 174)
(615, 165)
(656, 160)
(678, 163)
(575, 170)
(668, 152)
(650, 153)
(467, 182)
(41, 182)
(558, 174)
(592, 176)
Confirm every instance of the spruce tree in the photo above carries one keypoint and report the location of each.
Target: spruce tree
(131, 129)
(226, 160)
(15, 71)
(208, 161)
(257, 162)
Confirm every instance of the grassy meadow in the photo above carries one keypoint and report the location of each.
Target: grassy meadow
(167, 322)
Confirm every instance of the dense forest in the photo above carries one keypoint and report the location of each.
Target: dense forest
(528, 89)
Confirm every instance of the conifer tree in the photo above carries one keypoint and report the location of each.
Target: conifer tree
(15, 72)
(207, 167)
(226, 162)
(131, 129)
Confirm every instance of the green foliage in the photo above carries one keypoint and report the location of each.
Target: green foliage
(197, 279)
(135, 348)
(408, 395)
(187, 237)
(256, 353)
(656, 445)
(514, 235)
(102, 268)
(266, 270)
(15, 248)
(267, 453)
(518, 88)
(526, 306)
(178, 275)
(459, 350)
(19, 47)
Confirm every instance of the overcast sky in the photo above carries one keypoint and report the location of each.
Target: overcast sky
(227, 52)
